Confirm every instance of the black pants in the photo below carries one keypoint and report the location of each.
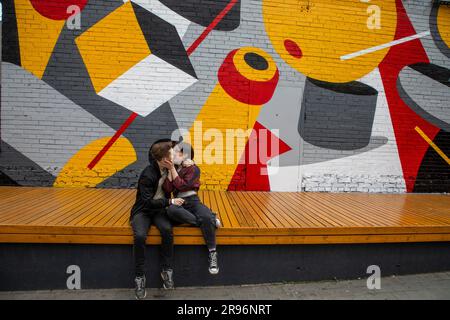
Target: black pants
(141, 224)
(195, 213)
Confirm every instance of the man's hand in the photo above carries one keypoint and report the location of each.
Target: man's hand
(178, 201)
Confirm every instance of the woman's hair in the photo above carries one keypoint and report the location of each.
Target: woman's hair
(161, 150)
(185, 148)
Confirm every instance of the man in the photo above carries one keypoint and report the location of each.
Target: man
(150, 208)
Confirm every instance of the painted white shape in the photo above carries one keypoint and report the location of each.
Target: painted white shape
(147, 85)
(385, 45)
(162, 11)
(283, 178)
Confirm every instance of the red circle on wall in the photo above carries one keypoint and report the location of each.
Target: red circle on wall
(56, 9)
(293, 48)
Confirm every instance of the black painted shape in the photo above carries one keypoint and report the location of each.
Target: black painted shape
(203, 12)
(256, 61)
(7, 181)
(434, 172)
(353, 87)
(22, 170)
(163, 40)
(111, 266)
(337, 116)
(433, 71)
(10, 35)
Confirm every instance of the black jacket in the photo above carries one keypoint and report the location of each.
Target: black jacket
(146, 189)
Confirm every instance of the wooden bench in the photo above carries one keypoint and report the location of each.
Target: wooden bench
(100, 216)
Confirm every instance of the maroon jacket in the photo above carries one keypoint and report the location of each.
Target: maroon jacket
(188, 179)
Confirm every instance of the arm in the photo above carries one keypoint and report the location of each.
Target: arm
(187, 180)
(146, 192)
(168, 185)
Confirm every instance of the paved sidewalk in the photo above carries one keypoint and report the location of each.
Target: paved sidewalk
(421, 286)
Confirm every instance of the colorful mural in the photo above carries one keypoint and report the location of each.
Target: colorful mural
(274, 95)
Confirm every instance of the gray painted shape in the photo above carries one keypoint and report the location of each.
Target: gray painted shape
(314, 154)
(435, 32)
(428, 98)
(44, 125)
(417, 10)
(281, 113)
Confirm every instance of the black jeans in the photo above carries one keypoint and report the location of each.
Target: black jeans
(195, 213)
(141, 224)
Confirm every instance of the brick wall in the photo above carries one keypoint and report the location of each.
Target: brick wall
(347, 109)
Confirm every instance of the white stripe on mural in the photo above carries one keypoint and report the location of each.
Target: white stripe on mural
(386, 45)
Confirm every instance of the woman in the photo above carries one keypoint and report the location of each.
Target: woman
(183, 181)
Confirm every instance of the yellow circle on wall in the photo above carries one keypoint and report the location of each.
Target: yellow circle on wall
(443, 23)
(313, 35)
(251, 73)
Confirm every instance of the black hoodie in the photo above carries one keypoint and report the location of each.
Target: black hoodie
(147, 186)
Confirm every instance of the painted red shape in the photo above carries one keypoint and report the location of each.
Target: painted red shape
(111, 141)
(251, 176)
(242, 89)
(411, 146)
(56, 9)
(293, 48)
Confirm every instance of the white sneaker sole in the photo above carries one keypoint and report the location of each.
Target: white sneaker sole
(214, 272)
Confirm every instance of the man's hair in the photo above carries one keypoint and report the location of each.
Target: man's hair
(186, 148)
(161, 150)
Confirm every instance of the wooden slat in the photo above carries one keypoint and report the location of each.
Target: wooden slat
(68, 215)
(228, 210)
(220, 210)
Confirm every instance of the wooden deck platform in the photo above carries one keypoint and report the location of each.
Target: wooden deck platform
(100, 216)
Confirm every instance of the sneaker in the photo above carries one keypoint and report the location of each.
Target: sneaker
(217, 222)
(167, 277)
(213, 263)
(140, 291)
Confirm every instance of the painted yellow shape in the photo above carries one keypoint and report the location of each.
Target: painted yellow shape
(326, 30)
(443, 23)
(112, 46)
(220, 113)
(77, 174)
(433, 145)
(37, 37)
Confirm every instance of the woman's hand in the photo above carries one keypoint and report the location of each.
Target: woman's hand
(178, 201)
(187, 163)
(168, 164)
